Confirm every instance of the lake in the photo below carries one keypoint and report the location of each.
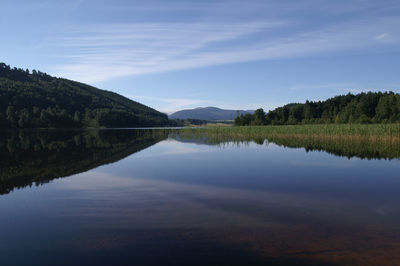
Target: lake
(149, 197)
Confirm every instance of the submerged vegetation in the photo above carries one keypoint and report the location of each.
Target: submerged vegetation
(363, 108)
(37, 100)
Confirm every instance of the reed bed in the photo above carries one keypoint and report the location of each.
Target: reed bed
(342, 130)
(376, 141)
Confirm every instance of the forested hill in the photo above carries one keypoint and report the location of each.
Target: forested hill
(35, 99)
(371, 107)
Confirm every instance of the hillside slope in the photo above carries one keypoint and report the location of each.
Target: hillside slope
(29, 100)
(208, 113)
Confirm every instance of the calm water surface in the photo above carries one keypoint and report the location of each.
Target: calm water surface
(129, 197)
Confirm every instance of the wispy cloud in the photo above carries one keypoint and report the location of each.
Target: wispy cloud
(382, 36)
(335, 86)
(103, 52)
(345, 87)
(94, 53)
(170, 105)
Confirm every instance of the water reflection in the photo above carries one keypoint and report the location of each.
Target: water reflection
(364, 147)
(39, 156)
(182, 202)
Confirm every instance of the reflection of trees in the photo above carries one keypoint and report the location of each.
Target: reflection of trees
(348, 146)
(39, 156)
(360, 147)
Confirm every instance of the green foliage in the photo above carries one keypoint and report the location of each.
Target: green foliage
(38, 100)
(372, 141)
(370, 130)
(363, 108)
(259, 117)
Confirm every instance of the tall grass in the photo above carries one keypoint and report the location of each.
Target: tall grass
(363, 141)
(338, 130)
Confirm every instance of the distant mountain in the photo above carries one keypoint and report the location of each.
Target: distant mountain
(209, 114)
(37, 100)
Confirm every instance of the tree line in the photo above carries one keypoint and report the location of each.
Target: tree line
(370, 107)
(38, 100)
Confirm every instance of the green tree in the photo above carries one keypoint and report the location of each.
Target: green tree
(259, 117)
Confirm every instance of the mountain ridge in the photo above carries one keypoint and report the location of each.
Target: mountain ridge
(209, 113)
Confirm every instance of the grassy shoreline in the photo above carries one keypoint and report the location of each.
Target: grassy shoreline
(374, 141)
(338, 130)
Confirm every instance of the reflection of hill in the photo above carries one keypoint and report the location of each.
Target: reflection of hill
(348, 146)
(39, 156)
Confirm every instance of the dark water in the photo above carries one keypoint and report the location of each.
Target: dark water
(138, 197)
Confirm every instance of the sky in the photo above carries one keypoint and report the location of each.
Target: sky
(233, 54)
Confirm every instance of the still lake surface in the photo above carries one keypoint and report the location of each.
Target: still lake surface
(138, 197)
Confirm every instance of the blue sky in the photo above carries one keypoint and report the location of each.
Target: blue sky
(173, 55)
